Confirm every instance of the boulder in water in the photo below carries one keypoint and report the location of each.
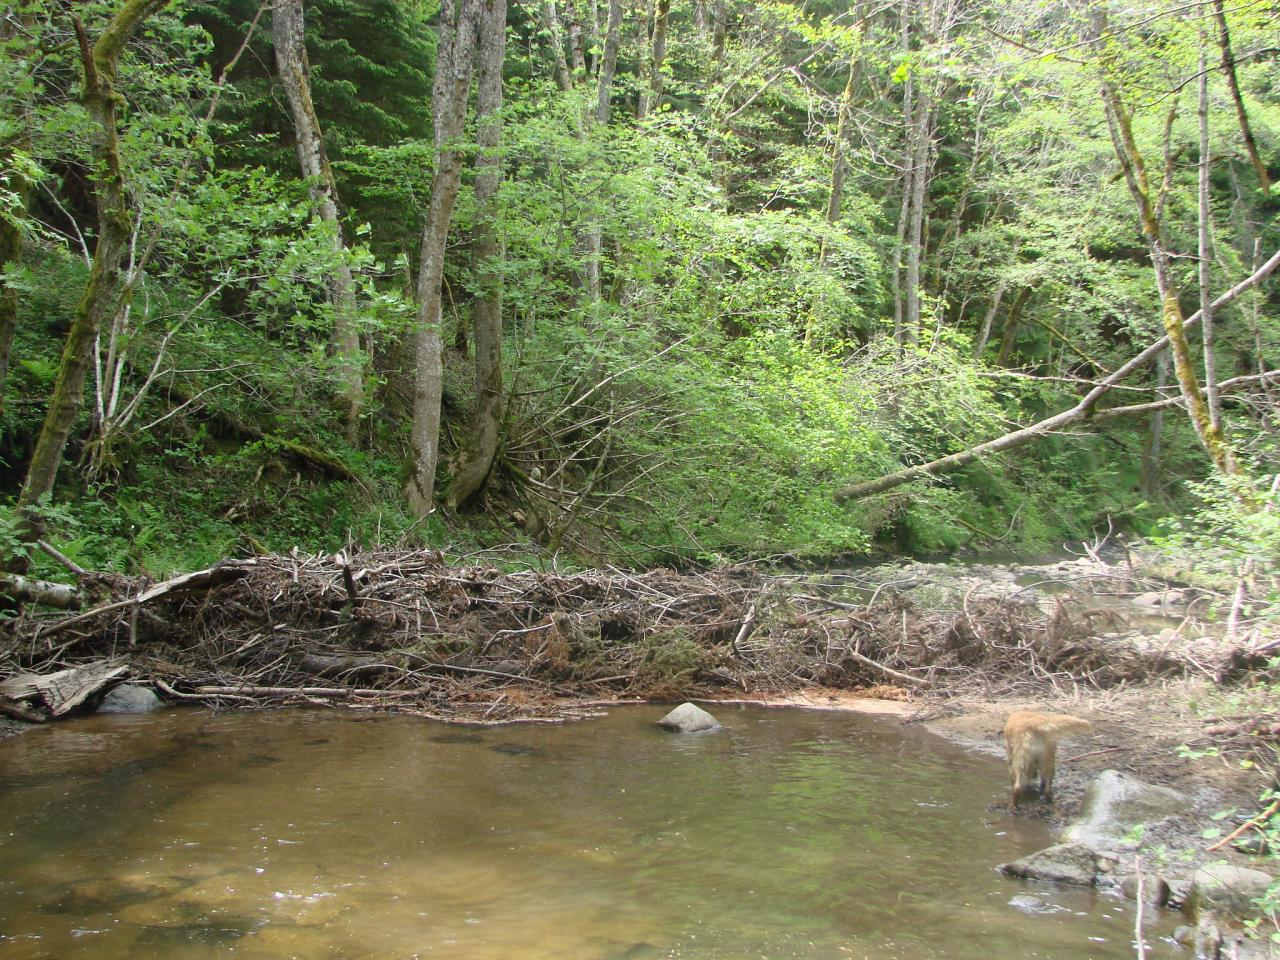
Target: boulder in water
(688, 718)
(130, 698)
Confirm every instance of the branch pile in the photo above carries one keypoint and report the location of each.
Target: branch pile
(407, 631)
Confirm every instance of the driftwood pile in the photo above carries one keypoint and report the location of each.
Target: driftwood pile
(406, 631)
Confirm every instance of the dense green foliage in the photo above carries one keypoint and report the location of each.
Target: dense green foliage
(742, 364)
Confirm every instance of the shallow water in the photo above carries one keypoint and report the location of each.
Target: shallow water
(305, 834)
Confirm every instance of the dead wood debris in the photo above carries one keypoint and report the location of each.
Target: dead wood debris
(405, 631)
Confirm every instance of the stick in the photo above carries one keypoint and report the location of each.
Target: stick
(1091, 753)
(888, 671)
(1257, 821)
(1139, 943)
(62, 558)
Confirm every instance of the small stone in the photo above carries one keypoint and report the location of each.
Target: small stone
(688, 718)
(131, 698)
(1226, 889)
(1063, 863)
(1149, 599)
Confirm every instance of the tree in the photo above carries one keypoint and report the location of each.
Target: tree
(105, 293)
(481, 446)
(295, 76)
(459, 21)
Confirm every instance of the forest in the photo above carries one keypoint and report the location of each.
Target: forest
(634, 283)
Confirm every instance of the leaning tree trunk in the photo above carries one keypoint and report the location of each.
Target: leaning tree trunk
(105, 291)
(1205, 252)
(455, 52)
(1134, 168)
(1233, 84)
(295, 74)
(481, 446)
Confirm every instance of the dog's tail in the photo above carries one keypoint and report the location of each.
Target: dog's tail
(1057, 725)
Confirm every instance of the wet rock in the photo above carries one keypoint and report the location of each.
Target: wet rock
(1227, 890)
(1063, 863)
(1155, 890)
(1153, 599)
(1214, 939)
(689, 718)
(131, 698)
(1115, 803)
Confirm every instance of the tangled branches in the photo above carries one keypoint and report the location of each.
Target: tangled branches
(408, 632)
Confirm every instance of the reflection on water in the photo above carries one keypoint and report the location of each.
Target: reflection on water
(321, 835)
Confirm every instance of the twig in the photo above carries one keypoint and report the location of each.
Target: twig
(1257, 821)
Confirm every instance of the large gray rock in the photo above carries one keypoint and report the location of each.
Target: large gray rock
(130, 698)
(1115, 803)
(1227, 890)
(1063, 863)
(688, 718)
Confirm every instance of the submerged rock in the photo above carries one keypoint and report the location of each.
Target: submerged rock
(1115, 803)
(1064, 863)
(131, 698)
(688, 718)
(1225, 889)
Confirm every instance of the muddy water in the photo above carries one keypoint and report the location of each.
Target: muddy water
(319, 835)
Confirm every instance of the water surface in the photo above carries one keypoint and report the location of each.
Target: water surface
(789, 833)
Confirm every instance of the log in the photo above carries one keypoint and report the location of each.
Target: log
(222, 572)
(61, 596)
(57, 694)
(340, 693)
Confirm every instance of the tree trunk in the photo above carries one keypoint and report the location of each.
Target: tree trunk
(1009, 336)
(1135, 173)
(455, 52)
(295, 75)
(1149, 477)
(105, 291)
(575, 40)
(591, 241)
(989, 320)
(915, 237)
(651, 91)
(481, 447)
(719, 32)
(1229, 71)
(551, 20)
(908, 183)
(10, 257)
(1205, 251)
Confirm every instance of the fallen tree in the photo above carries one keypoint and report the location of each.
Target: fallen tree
(1084, 410)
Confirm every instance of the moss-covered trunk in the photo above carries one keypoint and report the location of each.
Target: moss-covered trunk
(105, 291)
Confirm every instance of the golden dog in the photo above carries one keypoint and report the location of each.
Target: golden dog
(1031, 740)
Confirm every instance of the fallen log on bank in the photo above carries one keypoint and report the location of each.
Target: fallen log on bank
(40, 697)
(406, 631)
